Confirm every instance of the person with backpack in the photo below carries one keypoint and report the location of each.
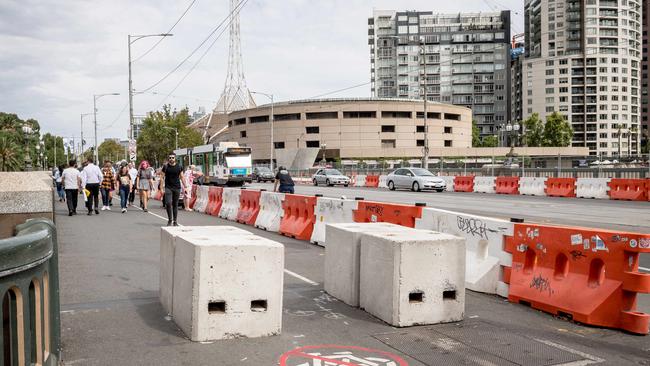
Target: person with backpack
(283, 178)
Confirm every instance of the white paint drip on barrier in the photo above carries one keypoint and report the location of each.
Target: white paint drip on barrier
(592, 188)
(485, 241)
(331, 211)
(271, 211)
(201, 198)
(230, 205)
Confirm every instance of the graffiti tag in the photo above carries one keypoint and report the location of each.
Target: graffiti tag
(379, 210)
(474, 227)
(541, 284)
(577, 254)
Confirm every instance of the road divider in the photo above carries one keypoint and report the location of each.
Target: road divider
(484, 184)
(249, 206)
(215, 200)
(531, 186)
(271, 211)
(629, 189)
(507, 185)
(592, 188)
(561, 187)
(230, 205)
(298, 219)
(404, 215)
(464, 184)
(331, 211)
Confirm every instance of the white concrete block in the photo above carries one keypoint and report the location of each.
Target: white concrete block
(167, 250)
(413, 277)
(485, 184)
(342, 249)
(593, 188)
(532, 186)
(228, 286)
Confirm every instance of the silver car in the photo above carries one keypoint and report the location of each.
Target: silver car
(415, 179)
(330, 177)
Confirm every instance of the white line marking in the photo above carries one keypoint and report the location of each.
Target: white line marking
(305, 279)
(590, 359)
(644, 269)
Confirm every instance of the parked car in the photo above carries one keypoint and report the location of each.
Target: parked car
(330, 177)
(415, 179)
(262, 174)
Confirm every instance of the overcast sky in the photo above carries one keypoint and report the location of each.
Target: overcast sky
(56, 54)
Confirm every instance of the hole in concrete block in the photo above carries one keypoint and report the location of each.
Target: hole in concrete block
(449, 295)
(258, 305)
(217, 307)
(417, 296)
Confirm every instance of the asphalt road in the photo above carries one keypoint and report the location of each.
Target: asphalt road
(109, 268)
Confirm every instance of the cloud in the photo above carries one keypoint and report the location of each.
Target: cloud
(57, 54)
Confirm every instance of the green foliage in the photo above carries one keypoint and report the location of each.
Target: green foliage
(15, 142)
(534, 131)
(49, 143)
(155, 141)
(476, 135)
(110, 150)
(10, 157)
(490, 141)
(557, 131)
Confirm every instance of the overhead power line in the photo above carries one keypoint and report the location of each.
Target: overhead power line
(168, 32)
(239, 5)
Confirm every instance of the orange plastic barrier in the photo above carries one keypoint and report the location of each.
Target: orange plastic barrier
(215, 201)
(298, 220)
(507, 185)
(629, 189)
(193, 199)
(589, 275)
(249, 206)
(464, 184)
(404, 215)
(561, 187)
(372, 181)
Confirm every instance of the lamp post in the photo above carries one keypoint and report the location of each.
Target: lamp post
(270, 96)
(95, 97)
(132, 39)
(175, 133)
(323, 160)
(28, 160)
(39, 150)
(83, 142)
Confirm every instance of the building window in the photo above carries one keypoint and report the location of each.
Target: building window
(315, 143)
(287, 117)
(258, 119)
(240, 121)
(452, 116)
(419, 129)
(395, 114)
(419, 142)
(242, 134)
(388, 128)
(312, 129)
(448, 143)
(279, 145)
(368, 114)
(430, 115)
(387, 144)
(323, 115)
(448, 129)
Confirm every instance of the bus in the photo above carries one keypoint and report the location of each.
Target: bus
(223, 164)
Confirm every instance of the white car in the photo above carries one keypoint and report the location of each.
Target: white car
(330, 177)
(415, 179)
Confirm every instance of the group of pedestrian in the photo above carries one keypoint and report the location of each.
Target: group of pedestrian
(92, 182)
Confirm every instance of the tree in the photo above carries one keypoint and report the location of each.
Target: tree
(110, 150)
(557, 131)
(534, 131)
(490, 141)
(155, 141)
(476, 135)
(9, 153)
(11, 128)
(49, 143)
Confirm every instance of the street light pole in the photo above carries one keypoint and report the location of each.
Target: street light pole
(272, 119)
(135, 38)
(95, 97)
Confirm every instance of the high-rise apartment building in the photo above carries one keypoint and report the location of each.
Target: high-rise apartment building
(583, 59)
(645, 76)
(466, 60)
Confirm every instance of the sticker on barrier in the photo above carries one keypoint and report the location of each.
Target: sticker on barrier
(334, 355)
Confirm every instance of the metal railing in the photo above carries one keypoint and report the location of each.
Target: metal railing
(29, 284)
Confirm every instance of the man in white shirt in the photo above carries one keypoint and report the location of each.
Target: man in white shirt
(93, 177)
(71, 181)
(133, 172)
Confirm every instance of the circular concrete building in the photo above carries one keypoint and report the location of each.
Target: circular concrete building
(365, 128)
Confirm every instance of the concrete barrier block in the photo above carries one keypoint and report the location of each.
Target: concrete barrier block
(167, 250)
(593, 188)
(342, 250)
(228, 286)
(413, 277)
(532, 186)
(331, 211)
(230, 205)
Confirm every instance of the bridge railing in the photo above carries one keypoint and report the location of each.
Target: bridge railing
(29, 286)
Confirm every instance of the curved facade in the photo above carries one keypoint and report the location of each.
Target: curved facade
(352, 128)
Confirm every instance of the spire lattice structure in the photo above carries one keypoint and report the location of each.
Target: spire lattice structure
(235, 95)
